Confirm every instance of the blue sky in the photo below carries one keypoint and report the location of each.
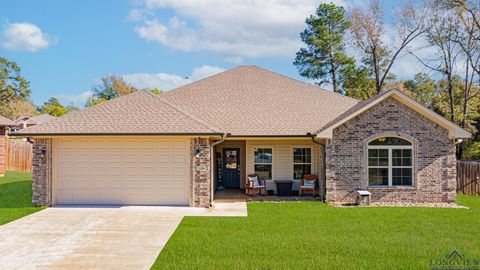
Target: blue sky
(63, 47)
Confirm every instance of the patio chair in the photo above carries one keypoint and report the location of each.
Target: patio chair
(309, 182)
(255, 183)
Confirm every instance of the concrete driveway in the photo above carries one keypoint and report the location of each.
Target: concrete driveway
(128, 237)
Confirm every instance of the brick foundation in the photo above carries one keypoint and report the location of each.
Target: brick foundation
(201, 182)
(42, 172)
(433, 152)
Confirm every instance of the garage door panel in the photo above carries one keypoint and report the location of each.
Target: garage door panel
(142, 171)
(179, 144)
(162, 144)
(178, 171)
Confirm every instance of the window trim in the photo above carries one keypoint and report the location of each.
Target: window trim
(390, 166)
(273, 158)
(302, 163)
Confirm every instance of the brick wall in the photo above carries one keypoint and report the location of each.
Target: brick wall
(3, 150)
(434, 156)
(201, 182)
(42, 172)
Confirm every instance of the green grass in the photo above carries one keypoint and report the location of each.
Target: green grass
(16, 196)
(312, 235)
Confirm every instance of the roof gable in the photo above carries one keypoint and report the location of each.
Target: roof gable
(454, 130)
(6, 122)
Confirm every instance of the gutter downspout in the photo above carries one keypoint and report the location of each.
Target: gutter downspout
(212, 165)
(324, 163)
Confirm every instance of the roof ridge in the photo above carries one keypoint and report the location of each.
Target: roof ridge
(202, 79)
(212, 128)
(255, 66)
(297, 80)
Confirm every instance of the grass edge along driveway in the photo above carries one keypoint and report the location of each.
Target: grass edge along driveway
(16, 196)
(312, 235)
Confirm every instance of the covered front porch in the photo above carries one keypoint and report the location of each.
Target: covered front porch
(239, 194)
(272, 160)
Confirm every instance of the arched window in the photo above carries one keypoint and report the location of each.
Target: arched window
(390, 162)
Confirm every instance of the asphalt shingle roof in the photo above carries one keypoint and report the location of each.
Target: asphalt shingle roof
(6, 122)
(243, 101)
(35, 120)
(252, 101)
(137, 113)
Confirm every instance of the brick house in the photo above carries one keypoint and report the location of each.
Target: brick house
(178, 148)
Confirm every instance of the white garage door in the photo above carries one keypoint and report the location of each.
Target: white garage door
(122, 171)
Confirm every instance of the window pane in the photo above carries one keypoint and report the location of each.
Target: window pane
(231, 159)
(263, 155)
(378, 176)
(390, 141)
(397, 153)
(402, 176)
(264, 171)
(372, 161)
(300, 170)
(383, 161)
(397, 172)
(302, 155)
(372, 153)
(396, 161)
(407, 157)
(383, 153)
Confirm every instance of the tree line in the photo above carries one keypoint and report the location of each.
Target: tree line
(449, 29)
(15, 94)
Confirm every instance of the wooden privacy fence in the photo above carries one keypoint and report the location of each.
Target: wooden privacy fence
(468, 177)
(19, 156)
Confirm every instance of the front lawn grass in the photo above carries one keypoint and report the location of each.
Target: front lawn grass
(16, 196)
(312, 235)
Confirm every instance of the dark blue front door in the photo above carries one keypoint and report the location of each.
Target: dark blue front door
(231, 167)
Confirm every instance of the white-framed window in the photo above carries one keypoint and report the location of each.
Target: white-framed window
(302, 162)
(390, 162)
(262, 162)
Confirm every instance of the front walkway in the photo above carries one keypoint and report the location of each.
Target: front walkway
(129, 237)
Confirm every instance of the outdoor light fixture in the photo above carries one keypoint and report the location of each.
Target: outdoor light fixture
(42, 153)
(459, 141)
(196, 151)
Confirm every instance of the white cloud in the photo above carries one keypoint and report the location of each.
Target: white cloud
(25, 37)
(77, 100)
(135, 15)
(233, 29)
(165, 81)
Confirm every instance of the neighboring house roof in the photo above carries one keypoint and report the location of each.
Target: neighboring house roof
(252, 101)
(137, 113)
(454, 130)
(35, 120)
(6, 122)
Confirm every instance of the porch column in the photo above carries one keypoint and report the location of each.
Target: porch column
(201, 182)
(42, 172)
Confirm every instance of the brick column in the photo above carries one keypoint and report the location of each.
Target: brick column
(42, 172)
(3, 151)
(200, 196)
